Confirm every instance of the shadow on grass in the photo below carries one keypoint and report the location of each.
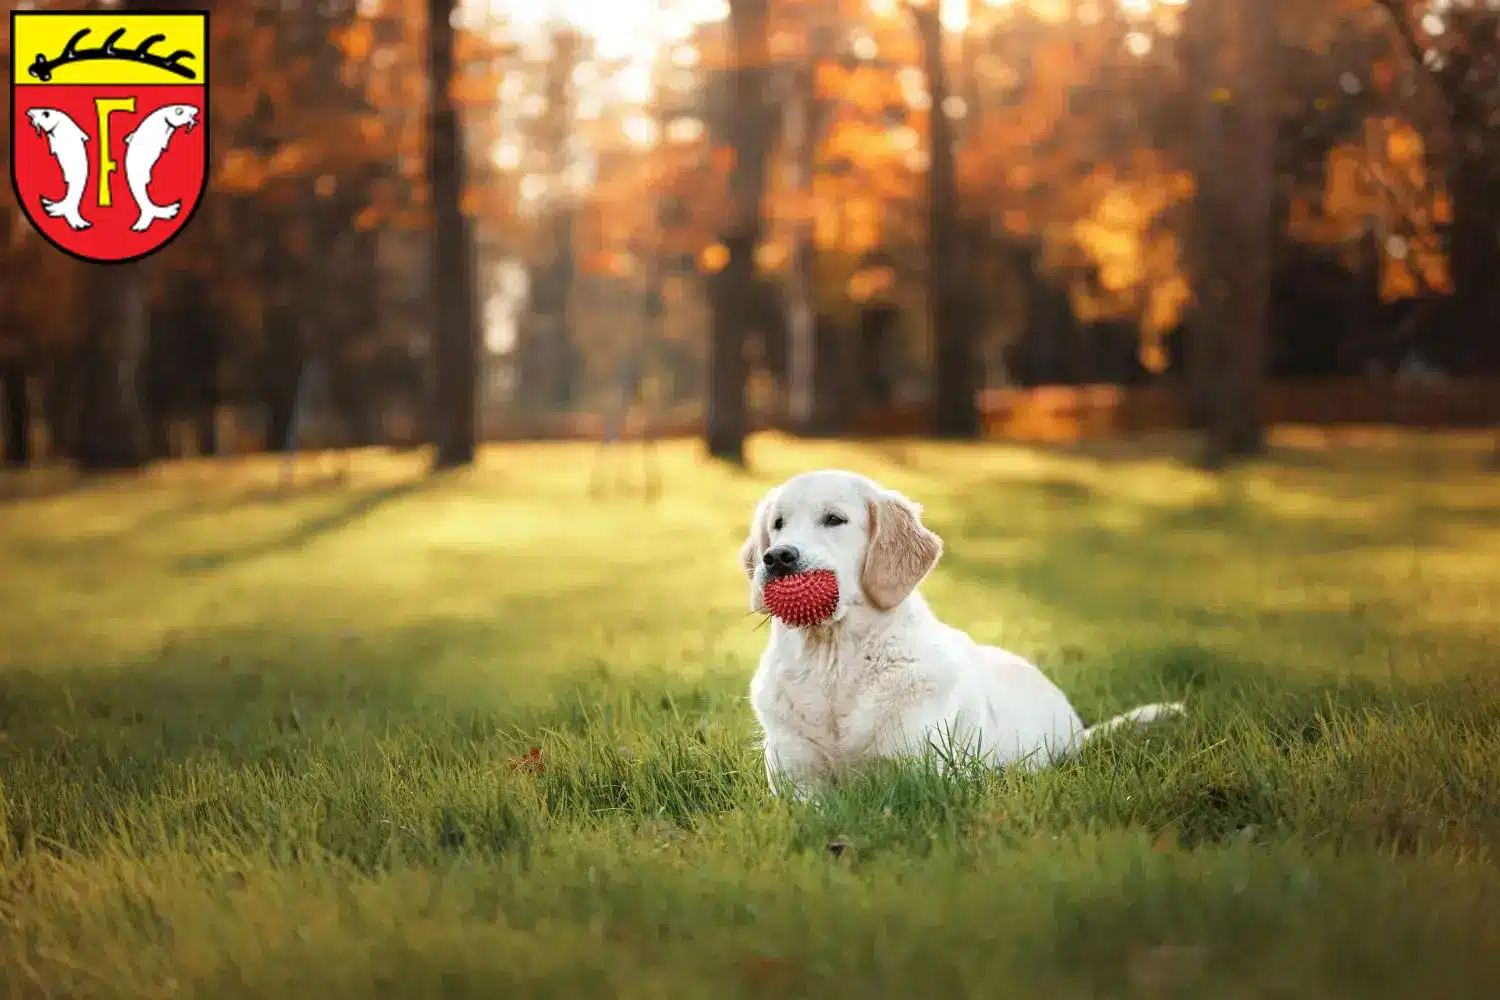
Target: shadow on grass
(1260, 755)
(255, 494)
(18, 486)
(230, 690)
(1338, 714)
(343, 743)
(356, 507)
(1072, 510)
(177, 503)
(370, 747)
(1347, 719)
(269, 740)
(1073, 557)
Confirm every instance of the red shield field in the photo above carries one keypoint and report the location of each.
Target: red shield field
(109, 128)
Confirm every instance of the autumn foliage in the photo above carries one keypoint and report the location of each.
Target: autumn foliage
(1076, 173)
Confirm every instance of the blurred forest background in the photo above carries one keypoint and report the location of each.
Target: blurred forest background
(831, 216)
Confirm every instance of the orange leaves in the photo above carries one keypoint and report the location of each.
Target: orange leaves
(1056, 67)
(870, 283)
(713, 258)
(487, 202)
(368, 218)
(1053, 12)
(471, 47)
(852, 224)
(872, 92)
(481, 88)
(1422, 266)
(240, 172)
(1384, 178)
(1166, 301)
(296, 157)
(860, 143)
(354, 40)
(1403, 147)
(637, 206)
(830, 80)
(1121, 233)
(772, 257)
(372, 130)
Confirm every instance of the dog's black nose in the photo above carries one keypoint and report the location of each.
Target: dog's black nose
(781, 560)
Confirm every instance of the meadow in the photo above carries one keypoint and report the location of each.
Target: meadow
(485, 736)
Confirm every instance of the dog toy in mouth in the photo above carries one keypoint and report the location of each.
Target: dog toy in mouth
(803, 599)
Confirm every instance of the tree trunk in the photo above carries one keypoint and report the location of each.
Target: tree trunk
(731, 296)
(954, 386)
(159, 437)
(60, 404)
(206, 426)
(802, 128)
(1474, 256)
(17, 415)
(1475, 260)
(547, 380)
(834, 376)
(733, 290)
(283, 372)
(205, 350)
(547, 376)
(456, 332)
(1231, 239)
(111, 429)
(877, 326)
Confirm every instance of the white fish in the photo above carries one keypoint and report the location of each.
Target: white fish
(65, 141)
(143, 148)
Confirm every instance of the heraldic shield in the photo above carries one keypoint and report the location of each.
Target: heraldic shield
(109, 128)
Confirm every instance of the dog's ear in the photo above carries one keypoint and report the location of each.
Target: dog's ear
(901, 551)
(759, 539)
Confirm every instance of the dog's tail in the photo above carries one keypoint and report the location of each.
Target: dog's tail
(1136, 717)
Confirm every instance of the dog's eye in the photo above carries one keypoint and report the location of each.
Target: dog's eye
(831, 520)
(776, 524)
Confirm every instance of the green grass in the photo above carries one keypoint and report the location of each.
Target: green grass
(263, 745)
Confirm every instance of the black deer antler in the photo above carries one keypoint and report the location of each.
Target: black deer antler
(42, 67)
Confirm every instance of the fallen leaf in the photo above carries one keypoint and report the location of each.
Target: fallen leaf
(1166, 965)
(768, 970)
(530, 761)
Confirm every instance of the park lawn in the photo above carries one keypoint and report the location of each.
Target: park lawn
(258, 745)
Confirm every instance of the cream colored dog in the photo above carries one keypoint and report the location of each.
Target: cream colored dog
(883, 677)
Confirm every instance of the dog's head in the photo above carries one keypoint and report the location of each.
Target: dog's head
(871, 538)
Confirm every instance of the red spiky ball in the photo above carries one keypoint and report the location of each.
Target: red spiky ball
(803, 599)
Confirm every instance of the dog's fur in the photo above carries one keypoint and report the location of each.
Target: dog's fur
(883, 677)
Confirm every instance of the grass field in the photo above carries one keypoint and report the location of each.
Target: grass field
(256, 745)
